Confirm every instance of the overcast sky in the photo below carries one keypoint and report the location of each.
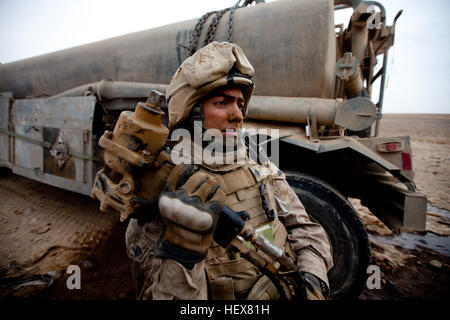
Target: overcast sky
(418, 69)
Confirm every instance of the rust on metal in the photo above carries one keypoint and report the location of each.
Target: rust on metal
(135, 143)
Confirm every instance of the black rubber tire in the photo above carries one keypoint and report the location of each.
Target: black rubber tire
(348, 237)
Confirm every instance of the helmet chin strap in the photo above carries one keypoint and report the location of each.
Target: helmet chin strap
(196, 118)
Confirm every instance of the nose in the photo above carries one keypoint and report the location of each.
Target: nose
(235, 113)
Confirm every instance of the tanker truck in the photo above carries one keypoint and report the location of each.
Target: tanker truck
(314, 84)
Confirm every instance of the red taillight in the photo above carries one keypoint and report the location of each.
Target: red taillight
(406, 161)
(391, 147)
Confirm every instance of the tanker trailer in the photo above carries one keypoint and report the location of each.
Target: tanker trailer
(313, 84)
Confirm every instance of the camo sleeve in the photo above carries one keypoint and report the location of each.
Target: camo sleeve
(308, 239)
(156, 278)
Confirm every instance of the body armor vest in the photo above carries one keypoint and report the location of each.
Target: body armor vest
(230, 276)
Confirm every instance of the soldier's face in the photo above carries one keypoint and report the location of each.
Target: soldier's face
(223, 111)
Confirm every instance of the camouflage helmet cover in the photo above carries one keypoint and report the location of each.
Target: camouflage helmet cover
(216, 65)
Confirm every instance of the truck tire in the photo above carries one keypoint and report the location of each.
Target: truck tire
(347, 235)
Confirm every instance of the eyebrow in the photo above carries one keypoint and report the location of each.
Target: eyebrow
(228, 97)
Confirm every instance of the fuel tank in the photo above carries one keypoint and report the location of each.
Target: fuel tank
(291, 44)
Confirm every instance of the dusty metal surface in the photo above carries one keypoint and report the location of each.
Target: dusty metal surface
(60, 141)
(4, 121)
(397, 156)
(276, 48)
(356, 114)
(347, 69)
(401, 209)
(292, 109)
(134, 144)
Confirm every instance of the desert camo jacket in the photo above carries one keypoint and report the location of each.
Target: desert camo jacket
(166, 279)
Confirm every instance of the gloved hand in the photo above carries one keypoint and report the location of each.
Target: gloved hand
(315, 288)
(190, 205)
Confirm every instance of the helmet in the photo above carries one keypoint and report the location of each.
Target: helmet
(216, 65)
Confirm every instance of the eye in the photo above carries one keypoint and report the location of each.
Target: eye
(221, 102)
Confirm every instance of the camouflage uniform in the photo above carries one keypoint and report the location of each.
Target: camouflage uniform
(223, 274)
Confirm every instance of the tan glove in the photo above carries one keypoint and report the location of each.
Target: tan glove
(190, 205)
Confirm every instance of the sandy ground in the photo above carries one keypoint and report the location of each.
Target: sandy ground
(44, 229)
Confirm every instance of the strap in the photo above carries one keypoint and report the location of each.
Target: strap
(280, 233)
(260, 172)
(245, 284)
(47, 145)
(238, 179)
(228, 268)
(264, 289)
(222, 289)
(226, 288)
(247, 204)
(215, 251)
(43, 144)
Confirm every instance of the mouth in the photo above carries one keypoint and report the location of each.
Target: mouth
(230, 132)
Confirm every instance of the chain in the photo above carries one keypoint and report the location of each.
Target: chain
(193, 42)
(192, 47)
(212, 27)
(230, 20)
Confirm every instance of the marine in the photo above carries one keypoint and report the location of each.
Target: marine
(174, 255)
